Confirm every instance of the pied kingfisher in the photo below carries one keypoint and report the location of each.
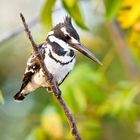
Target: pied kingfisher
(58, 52)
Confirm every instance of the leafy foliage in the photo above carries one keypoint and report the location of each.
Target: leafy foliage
(131, 11)
(127, 12)
(90, 97)
(104, 100)
(73, 9)
(71, 6)
(112, 7)
(46, 13)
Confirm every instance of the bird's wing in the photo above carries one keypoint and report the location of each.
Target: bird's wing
(32, 67)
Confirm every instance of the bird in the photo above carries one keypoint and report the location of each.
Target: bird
(59, 55)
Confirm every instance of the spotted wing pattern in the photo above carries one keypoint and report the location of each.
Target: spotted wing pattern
(32, 67)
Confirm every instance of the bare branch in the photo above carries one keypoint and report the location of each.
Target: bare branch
(51, 82)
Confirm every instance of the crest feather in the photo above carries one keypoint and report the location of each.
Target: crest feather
(67, 20)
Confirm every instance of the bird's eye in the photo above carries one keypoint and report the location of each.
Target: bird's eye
(67, 37)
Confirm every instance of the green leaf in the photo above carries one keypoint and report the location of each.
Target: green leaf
(73, 9)
(70, 3)
(46, 13)
(1, 98)
(112, 8)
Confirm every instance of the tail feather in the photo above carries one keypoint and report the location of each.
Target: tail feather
(19, 97)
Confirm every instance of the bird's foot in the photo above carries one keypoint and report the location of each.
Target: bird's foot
(57, 92)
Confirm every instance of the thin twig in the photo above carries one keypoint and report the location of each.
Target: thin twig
(51, 82)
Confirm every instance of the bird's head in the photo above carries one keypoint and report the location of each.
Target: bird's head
(66, 32)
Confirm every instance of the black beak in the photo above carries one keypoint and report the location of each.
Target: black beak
(79, 47)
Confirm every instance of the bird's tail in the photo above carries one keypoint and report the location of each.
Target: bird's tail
(19, 96)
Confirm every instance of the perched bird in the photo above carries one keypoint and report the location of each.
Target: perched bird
(58, 52)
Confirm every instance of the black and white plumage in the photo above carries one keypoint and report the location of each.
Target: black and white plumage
(58, 53)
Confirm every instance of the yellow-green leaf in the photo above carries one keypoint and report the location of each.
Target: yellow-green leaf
(1, 98)
(112, 8)
(70, 3)
(74, 10)
(46, 13)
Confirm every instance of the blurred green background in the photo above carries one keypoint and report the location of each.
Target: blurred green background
(104, 99)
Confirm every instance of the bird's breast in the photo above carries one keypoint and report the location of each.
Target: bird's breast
(58, 66)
